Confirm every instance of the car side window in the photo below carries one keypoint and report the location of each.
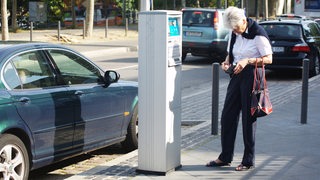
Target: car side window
(33, 71)
(198, 18)
(75, 69)
(10, 76)
(314, 31)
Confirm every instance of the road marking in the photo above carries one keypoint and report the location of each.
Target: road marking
(127, 67)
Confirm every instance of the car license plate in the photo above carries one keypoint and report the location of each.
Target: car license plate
(278, 49)
(193, 33)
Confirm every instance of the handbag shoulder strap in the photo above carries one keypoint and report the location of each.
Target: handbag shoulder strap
(264, 77)
(259, 79)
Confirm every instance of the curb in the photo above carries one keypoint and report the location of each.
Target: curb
(96, 171)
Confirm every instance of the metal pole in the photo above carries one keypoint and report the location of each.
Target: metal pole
(256, 9)
(267, 9)
(59, 27)
(215, 98)
(304, 100)
(126, 27)
(31, 29)
(83, 30)
(107, 26)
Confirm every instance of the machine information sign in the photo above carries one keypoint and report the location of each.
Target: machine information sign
(174, 41)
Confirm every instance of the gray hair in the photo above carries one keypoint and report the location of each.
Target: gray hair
(233, 16)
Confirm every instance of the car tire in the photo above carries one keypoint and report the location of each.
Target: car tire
(184, 56)
(15, 166)
(316, 67)
(131, 141)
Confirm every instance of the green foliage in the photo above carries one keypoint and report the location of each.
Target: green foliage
(160, 4)
(130, 4)
(55, 8)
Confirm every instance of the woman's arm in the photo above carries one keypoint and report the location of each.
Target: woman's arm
(265, 59)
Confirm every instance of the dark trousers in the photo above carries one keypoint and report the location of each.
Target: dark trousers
(238, 99)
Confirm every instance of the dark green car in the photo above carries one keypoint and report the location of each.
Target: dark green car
(55, 103)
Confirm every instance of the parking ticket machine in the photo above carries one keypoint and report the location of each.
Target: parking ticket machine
(160, 48)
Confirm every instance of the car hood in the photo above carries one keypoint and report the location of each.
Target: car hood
(125, 83)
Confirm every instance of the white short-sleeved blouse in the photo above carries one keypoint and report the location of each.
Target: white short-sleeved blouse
(250, 48)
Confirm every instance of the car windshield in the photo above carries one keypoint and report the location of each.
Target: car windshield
(283, 31)
(197, 18)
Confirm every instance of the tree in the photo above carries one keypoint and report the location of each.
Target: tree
(89, 4)
(183, 3)
(56, 11)
(73, 13)
(4, 21)
(14, 15)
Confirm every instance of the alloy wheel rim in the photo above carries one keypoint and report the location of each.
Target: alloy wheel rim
(12, 165)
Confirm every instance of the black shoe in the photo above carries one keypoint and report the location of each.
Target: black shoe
(215, 164)
(242, 167)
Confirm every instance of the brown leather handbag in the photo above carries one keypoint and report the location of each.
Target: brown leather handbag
(260, 102)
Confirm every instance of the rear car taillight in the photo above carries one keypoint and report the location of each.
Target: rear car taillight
(300, 48)
(197, 12)
(216, 20)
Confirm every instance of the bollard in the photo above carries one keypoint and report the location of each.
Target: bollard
(31, 29)
(304, 95)
(83, 30)
(59, 27)
(215, 99)
(107, 26)
(126, 27)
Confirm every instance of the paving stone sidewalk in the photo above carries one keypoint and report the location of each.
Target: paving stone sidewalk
(281, 143)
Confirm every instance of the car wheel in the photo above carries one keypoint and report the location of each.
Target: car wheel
(131, 141)
(184, 56)
(14, 159)
(316, 68)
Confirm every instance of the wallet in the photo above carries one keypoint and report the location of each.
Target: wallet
(230, 70)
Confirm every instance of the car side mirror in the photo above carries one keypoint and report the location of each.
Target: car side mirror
(111, 77)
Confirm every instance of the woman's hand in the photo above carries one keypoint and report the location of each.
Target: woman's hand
(225, 64)
(240, 66)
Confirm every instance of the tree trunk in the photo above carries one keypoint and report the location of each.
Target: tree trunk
(183, 3)
(272, 8)
(279, 7)
(124, 10)
(73, 13)
(14, 15)
(4, 21)
(89, 18)
(288, 8)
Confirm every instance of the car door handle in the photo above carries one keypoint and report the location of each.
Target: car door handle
(78, 93)
(24, 100)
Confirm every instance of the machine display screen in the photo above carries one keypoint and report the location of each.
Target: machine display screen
(174, 26)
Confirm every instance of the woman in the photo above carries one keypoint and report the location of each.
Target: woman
(248, 44)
